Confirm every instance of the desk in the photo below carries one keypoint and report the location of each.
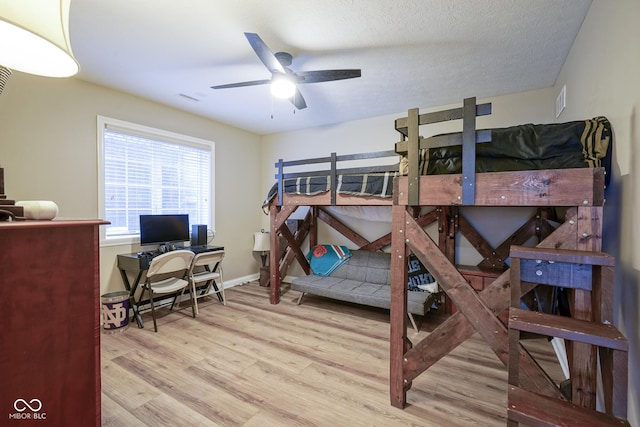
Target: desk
(134, 263)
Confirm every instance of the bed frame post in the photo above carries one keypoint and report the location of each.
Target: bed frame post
(413, 154)
(274, 256)
(583, 362)
(280, 178)
(469, 151)
(399, 343)
(334, 178)
(447, 228)
(313, 228)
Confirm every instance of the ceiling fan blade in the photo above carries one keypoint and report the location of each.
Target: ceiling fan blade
(326, 75)
(298, 100)
(242, 84)
(266, 56)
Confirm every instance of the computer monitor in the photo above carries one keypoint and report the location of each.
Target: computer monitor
(159, 229)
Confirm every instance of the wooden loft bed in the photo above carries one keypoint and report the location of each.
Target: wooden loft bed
(324, 186)
(578, 188)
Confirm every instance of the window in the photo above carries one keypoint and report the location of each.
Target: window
(149, 171)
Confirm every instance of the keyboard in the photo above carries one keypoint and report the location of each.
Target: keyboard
(200, 249)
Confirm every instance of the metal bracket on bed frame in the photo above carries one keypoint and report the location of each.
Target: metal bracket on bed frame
(412, 143)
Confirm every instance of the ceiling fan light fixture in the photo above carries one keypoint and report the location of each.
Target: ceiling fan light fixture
(282, 87)
(34, 37)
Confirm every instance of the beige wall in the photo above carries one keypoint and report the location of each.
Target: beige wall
(48, 150)
(602, 75)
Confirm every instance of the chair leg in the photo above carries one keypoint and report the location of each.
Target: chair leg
(224, 299)
(300, 298)
(413, 322)
(176, 300)
(153, 310)
(204, 292)
(194, 300)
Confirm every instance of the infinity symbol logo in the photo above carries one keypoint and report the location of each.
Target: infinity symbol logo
(21, 405)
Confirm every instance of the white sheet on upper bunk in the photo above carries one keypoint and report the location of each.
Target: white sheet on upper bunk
(370, 213)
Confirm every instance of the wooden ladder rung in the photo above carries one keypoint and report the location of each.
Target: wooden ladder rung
(535, 410)
(562, 255)
(568, 328)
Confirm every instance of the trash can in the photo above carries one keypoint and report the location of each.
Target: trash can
(115, 311)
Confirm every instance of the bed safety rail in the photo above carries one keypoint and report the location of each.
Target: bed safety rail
(332, 170)
(412, 143)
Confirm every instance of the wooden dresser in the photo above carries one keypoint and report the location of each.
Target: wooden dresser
(50, 323)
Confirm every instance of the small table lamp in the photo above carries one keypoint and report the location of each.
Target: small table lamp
(262, 244)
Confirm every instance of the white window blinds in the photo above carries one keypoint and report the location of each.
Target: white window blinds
(147, 173)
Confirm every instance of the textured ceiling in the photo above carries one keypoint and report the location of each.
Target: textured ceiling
(413, 53)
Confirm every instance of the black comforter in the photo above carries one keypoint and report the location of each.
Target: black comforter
(577, 144)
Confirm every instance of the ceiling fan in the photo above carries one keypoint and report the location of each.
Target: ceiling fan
(283, 78)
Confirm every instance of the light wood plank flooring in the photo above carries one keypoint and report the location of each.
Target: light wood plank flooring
(321, 363)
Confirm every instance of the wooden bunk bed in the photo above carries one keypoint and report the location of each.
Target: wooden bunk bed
(578, 189)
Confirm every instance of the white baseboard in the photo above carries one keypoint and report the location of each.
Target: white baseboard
(239, 281)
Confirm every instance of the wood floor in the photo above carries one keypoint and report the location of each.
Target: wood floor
(321, 363)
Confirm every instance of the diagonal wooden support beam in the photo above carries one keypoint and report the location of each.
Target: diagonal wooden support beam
(477, 313)
(364, 244)
(457, 288)
(279, 217)
(519, 237)
(384, 241)
(342, 228)
(538, 225)
(294, 246)
(457, 328)
(491, 257)
(496, 295)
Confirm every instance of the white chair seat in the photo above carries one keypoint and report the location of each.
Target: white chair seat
(169, 285)
(206, 275)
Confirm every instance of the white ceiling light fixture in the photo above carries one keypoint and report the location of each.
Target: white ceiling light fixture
(34, 37)
(282, 87)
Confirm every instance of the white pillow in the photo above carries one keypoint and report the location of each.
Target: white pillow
(39, 209)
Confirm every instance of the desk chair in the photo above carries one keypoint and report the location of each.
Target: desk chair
(208, 275)
(166, 275)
